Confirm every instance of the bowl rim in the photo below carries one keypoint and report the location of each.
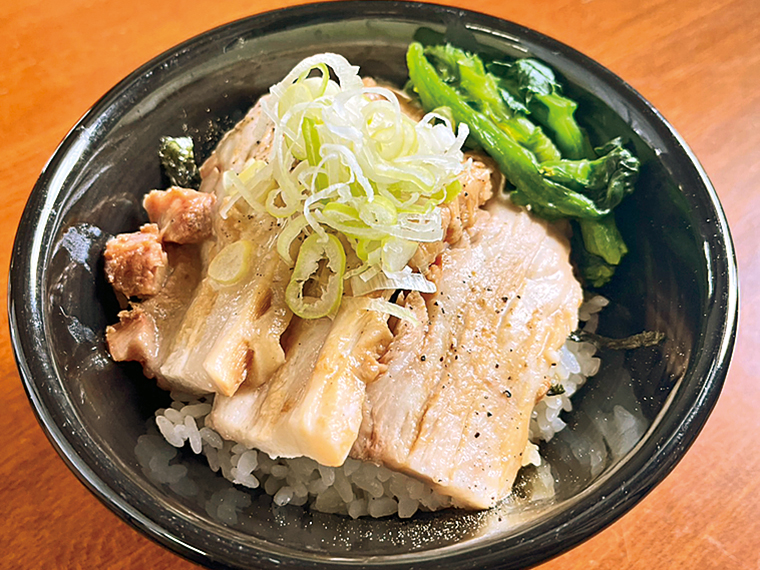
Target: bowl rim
(588, 515)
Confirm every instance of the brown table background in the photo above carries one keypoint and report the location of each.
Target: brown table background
(697, 61)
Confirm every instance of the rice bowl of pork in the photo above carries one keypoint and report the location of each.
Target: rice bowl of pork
(629, 426)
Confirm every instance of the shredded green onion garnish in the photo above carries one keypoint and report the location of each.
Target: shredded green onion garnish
(383, 306)
(346, 159)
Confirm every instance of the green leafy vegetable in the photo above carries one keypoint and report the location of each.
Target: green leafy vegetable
(517, 163)
(498, 103)
(601, 237)
(532, 85)
(607, 180)
(178, 160)
(466, 74)
(642, 339)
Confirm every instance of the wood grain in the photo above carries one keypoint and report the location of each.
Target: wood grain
(696, 60)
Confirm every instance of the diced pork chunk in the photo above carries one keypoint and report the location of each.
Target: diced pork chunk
(182, 215)
(144, 332)
(135, 337)
(455, 403)
(136, 263)
(312, 406)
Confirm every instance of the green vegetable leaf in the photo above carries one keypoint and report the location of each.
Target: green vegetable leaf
(499, 100)
(639, 340)
(178, 161)
(606, 180)
(532, 84)
(526, 77)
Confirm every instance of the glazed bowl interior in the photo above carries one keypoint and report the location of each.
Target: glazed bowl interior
(679, 278)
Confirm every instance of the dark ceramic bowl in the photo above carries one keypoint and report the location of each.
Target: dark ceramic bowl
(680, 278)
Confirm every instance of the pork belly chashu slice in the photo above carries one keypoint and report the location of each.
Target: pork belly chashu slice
(312, 405)
(231, 334)
(454, 404)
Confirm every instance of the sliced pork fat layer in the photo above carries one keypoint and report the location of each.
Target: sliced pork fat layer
(230, 334)
(182, 215)
(454, 405)
(250, 139)
(312, 405)
(135, 263)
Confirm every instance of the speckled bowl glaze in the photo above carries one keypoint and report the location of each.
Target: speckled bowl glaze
(680, 277)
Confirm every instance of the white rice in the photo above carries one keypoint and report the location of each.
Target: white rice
(356, 488)
(577, 362)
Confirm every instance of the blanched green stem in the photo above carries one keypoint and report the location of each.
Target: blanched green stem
(475, 85)
(594, 270)
(601, 237)
(556, 112)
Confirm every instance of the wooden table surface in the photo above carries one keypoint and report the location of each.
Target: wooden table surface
(696, 60)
